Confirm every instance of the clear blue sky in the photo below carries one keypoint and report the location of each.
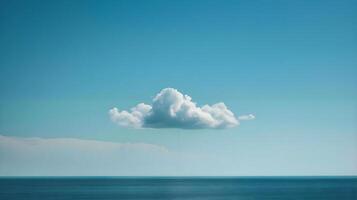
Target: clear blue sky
(64, 64)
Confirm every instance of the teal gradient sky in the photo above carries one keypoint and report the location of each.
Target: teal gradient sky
(293, 64)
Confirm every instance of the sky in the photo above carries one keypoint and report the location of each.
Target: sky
(68, 70)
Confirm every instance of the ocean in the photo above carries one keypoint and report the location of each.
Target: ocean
(205, 188)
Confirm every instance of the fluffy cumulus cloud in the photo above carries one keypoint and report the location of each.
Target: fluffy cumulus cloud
(172, 109)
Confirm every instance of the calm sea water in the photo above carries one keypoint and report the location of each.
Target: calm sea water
(252, 188)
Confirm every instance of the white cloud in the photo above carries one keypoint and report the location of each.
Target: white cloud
(133, 118)
(246, 117)
(172, 109)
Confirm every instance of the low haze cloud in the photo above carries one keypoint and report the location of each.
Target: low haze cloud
(172, 109)
(69, 156)
(35, 156)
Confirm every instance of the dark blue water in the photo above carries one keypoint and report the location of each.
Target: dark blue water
(304, 188)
